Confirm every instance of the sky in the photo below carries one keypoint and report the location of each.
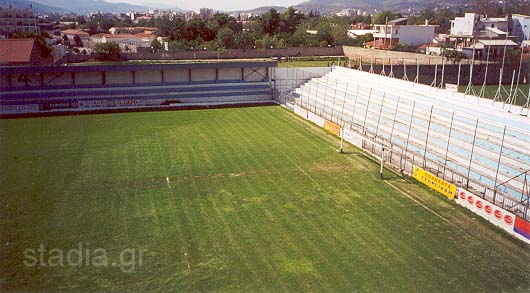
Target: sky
(225, 5)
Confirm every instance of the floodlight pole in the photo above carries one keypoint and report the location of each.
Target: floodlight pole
(471, 156)
(434, 82)
(443, 73)
(417, 79)
(341, 139)
(405, 77)
(498, 94)
(382, 162)
(499, 163)
(470, 83)
(518, 77)
(458, 77)
(344, 102)
(483, 88)
(511, 91)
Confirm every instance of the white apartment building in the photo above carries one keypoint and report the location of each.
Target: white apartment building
(398, 32)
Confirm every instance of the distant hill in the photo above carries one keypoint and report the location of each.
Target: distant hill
(37, 7)
(327, 6)
(259, 10)
(88, 6)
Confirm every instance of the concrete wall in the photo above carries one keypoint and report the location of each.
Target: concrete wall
(149, 76)
(385, 56)
(119, 77)
(237, 54)
(203, 74)
(379, 56)
(176, 75)
(229, 73)
(58, 78)
(89, 78)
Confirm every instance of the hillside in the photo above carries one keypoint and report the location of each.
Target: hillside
(260, 10)
(88, 6)
(328, 6)
(37, 7)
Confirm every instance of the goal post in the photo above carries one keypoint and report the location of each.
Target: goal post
(367, 145)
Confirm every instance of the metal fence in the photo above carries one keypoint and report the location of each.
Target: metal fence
(488, 158)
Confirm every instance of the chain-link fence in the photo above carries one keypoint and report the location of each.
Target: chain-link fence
(488, 158)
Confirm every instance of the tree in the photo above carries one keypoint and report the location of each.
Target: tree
(225, 38)
(78, 42)
(107, 51)
(381, 17)
(427, 14)
(176, 46)
(361, 40)
(453, 55)
(156, 45)
(290, 19)
(244, 40)
(270, 22)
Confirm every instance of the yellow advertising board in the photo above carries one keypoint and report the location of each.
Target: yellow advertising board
(332, 127)
(438, 184)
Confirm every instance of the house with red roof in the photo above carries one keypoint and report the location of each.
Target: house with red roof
(21, 52)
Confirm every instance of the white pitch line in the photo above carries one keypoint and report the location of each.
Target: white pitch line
(168, 183)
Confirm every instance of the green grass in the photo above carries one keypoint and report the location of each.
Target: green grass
(248, 199)
(491, 90)
(308, 63)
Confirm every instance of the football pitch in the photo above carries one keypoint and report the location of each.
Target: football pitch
(246, 199)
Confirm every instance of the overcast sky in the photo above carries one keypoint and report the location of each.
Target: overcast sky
(215, 4)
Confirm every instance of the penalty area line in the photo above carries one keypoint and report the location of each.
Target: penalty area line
(416, 201)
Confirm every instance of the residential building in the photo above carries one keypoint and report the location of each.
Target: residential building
(72, 33)
(17, 20)
(495, 48)
(206, 13)
(347, 12)
(16, 52)
(465, 26)
(360, 32)
(131, 29)
(128, 42)
(398, 32)
(521, 27)
(474, 31)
